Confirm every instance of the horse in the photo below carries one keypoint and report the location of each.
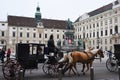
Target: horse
(84, 58)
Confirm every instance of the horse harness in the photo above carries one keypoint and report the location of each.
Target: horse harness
(90, 58)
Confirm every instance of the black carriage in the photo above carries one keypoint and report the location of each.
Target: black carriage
(28, 56)
(113, 61)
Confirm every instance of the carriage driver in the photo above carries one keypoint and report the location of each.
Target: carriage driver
(51, 46)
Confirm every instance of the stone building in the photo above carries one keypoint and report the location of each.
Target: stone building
(19, 29)
(99, 28)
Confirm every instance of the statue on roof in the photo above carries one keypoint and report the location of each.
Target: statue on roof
(69, 24)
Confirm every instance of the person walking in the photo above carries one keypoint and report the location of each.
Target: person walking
(8, 53)
(2, 55)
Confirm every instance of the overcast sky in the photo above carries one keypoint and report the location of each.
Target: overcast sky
(50, 9)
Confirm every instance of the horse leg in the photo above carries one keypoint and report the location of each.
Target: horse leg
(87, 67)
(71, 68)
(84, 65)
(75, 68)
(83, 68)
(69, 71)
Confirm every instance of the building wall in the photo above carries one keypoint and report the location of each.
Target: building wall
(3, 34)
(11, 41)
(101, 22)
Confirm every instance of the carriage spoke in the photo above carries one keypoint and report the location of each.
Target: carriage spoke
(11, 69)
(111, 64)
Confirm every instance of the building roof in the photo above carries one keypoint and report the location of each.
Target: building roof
(30, 22)
(101, 9)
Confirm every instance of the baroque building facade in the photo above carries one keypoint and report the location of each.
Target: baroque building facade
(19, 29)
(99, 28)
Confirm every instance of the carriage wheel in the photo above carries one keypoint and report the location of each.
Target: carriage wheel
(50, 69)
(111, 64)
(53, 70)
(45, 68)
(11, 70)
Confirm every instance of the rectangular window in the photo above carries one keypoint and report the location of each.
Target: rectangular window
(105, 41)
(105, 22)
(111, 21)
(106, 32)
(34, 35)
(116, 20)
(101, 33)
(3, 33)
(57, 36)
(13, 34)
(90, 35)
(93, 34)
(93, 42)
(45, 35)
(110, 31)
(101, 23)
(97, 24)
(97, 34)
(115, 40)
(2, 42)
(110, 41)
(40, 35)
(101, 41)
(27, 35)
(20, 34)
(63, 36)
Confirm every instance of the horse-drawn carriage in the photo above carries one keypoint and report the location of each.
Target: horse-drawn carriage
(113, 61)
(28, 56)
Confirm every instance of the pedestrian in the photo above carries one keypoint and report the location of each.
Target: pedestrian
(8, 53)
(2, 55)
(109, 53)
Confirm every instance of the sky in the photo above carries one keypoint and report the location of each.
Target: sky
(50, 9)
